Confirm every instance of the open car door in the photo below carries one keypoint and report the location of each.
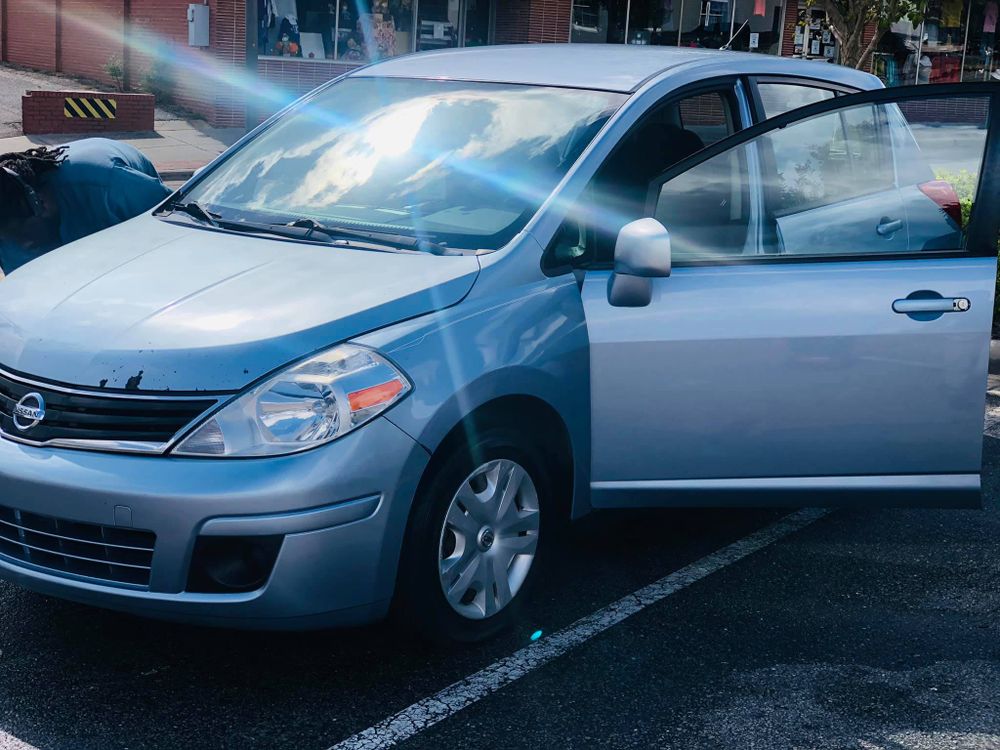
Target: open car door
(819, 333)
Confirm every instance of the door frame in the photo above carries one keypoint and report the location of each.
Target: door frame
(984, 227)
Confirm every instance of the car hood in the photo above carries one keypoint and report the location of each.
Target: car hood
(153, 306)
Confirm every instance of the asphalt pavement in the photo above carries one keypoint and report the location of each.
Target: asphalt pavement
(866, 629)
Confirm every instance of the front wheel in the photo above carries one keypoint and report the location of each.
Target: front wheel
(473, 542)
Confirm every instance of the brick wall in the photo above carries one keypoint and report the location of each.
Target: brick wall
(31, 33)
(791, 19)
(526, 21)
(970, 111)
(91, 35)
(157, 28)
(298, 77)
(43, 112)
(79, 36)
(228, 39)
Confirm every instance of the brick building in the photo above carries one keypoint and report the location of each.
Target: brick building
(265, 52)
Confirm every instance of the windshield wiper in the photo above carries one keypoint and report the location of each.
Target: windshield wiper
(304, 229)
(194, 210)
(285, 231)
(403, 241)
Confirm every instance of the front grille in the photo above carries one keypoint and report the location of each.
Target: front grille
(71, 416)
(108, 553)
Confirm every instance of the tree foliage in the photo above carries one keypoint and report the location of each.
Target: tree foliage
(848, 20)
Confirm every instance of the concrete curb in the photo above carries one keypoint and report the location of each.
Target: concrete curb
(176, 175)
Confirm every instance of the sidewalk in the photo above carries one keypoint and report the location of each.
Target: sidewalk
(177, 147)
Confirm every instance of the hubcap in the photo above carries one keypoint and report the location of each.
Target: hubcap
(489, 539)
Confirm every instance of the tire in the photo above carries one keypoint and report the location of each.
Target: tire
(448, 532)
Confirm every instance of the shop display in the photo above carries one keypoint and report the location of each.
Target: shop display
(955, 42)
(355, 30)
(813, 37)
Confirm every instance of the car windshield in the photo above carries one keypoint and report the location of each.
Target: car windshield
(461, 164)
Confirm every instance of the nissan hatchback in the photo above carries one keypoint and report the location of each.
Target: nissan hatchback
(372, 356)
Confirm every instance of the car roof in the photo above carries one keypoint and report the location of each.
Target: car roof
(609, 67)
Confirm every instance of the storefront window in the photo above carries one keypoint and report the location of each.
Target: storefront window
(955, 42)
(352, 30)
(453, 23)
(438, 24)
(366, 30)
(753, 25)
(599, 21)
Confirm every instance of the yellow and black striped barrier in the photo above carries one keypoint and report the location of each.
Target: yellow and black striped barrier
(90, 108)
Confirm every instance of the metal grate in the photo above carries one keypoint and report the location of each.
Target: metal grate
(108, 553)
(91, 416)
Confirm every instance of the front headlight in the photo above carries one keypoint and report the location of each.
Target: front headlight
(305, 405)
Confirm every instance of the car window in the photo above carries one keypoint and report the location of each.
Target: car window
(707, 116)
(460, 163)
(671, 131)
(707, 210)
(778, 98)
(831, 158)
(864, 180)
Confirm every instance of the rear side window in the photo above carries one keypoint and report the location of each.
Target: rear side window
(706, 115)
(778, 98)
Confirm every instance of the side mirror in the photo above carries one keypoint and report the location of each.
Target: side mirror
(642, 252)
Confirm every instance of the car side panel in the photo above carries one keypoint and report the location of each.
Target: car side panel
(790, 369)
(518, 333)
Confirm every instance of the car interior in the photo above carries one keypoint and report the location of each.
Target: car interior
(619, 193)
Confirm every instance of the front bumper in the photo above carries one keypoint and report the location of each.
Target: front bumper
(342, 510)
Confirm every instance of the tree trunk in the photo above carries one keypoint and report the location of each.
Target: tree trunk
(849, 31)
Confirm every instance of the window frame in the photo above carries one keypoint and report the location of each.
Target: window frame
(983, 229)
(726, 86)
(757, 103)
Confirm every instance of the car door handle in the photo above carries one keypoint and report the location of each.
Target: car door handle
(887, 226)
(937, 305)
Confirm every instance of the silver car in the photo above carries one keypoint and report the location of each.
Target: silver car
(373, 356)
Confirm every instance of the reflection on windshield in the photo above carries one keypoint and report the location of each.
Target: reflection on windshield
(461, 163)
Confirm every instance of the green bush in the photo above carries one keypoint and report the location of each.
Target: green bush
(115, 70)
(965, 183)
(159, 82)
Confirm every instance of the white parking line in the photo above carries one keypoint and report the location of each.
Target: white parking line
(462, 694)
(10, 742)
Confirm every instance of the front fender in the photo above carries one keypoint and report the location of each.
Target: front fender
(529, 340)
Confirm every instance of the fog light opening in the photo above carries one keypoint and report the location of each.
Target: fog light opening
(232, 564)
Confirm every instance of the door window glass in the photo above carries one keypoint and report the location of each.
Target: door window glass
(671, 132)
(864, 180)
(831, 158)
(778, 98)
(707, 209)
